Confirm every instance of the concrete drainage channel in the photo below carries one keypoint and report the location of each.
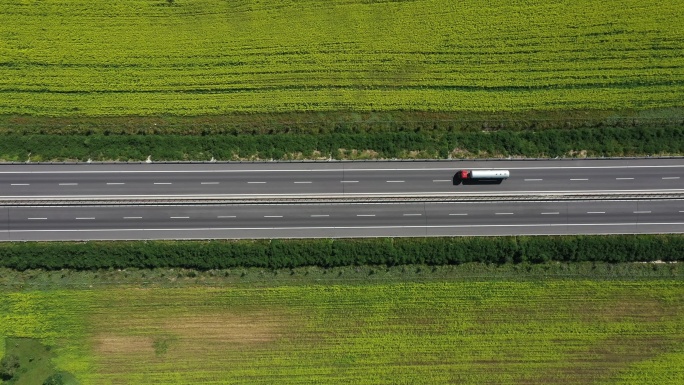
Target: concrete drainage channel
(290, 200)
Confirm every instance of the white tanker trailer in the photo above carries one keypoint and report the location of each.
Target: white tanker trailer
(484, 174)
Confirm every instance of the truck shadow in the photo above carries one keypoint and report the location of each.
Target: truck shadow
(466, 182)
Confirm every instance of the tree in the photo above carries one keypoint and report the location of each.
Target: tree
(9, 366)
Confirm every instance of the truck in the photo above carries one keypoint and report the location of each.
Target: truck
(484, 174)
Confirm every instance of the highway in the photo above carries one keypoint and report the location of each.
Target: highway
(346, 179)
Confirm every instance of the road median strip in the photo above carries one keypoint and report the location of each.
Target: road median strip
(334, 198)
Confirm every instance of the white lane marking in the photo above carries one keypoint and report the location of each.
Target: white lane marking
(365, 215)
(256, 182)
(395, 181)
(624, 178)
(412, 215)
(86, 218)
(351, 227)
(68, 184)
(579, 178)
(681, 211)
(458, 214)
(132, 217)
(319, 215)
(226, 216)
(304, 182)
(532, 180)
(503, 213)
(642, 212)
(596, 212)
(554, 213)
(349, 181)
(180, 217)
(273, 216)
(209, 182)
(670, 177)
(112, 183)
(36, 219)
(162, 182)
(20, 184)
(442, 180)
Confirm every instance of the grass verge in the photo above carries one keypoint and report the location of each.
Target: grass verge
(343, 136)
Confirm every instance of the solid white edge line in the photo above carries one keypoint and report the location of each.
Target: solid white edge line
(356, 227)
(426, 193)
(453, 168)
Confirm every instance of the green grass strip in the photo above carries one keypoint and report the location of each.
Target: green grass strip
(599, 141)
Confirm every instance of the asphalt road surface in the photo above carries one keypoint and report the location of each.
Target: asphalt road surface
(335, 178)
(341, 220)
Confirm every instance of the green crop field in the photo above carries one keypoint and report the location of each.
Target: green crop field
(506, 332)
(194, 57)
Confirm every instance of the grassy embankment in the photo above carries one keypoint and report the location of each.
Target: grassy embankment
(104, 68)
(370, 331)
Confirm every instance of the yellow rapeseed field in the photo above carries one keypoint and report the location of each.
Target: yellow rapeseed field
(550, 332)
(194, 57)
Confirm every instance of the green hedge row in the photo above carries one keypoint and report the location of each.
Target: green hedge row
(606, 141)
(206, 255)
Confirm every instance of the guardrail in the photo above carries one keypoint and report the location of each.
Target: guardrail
(342, 199)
